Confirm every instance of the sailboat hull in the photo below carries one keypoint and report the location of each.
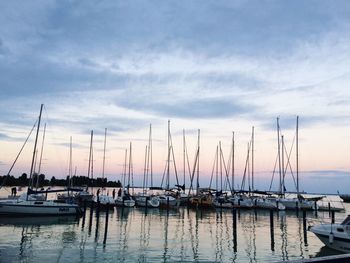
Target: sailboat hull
(38, 208)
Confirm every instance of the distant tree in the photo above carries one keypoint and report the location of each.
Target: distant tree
(53, 181)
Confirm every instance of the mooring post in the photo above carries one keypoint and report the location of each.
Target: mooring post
(98, 208)
(329, 208)
(316, 208)
(304, 227)
(106, 226)
(297, 208)
(272, 235)
(147, 197)
(234, 221)
(91, 213)
(333, 217)
(84, 214)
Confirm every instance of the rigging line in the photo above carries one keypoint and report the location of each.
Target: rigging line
(193, 170)
(245, 169)
(212, 172)
(288, 162)
(165, 168)
(13, 164)
(172, 150)
(273, 173)
(226, 170)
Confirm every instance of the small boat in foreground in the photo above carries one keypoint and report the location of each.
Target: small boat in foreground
(335, 236)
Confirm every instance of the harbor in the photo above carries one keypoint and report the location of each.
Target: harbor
(166, 235)
(174, 131)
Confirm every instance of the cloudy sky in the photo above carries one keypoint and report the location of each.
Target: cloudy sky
(217, 66)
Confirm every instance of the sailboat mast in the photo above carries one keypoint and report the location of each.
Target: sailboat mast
(233, 162)
(35, 144)
(198, 161)
(220, 165)
(253, 158)
(283, 170)
(42, 149)
(104, 155)
(168, 161)
(145, 172)
(124, 172)
(150, 152)
(70, 163)
(90, 154)
(297, 152)
(184, 153)
(279, 155)
(129, 173)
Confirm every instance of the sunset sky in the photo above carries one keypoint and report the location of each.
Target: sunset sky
(217, 66)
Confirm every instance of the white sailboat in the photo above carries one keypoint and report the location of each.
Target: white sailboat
(26, 206)
(167, 198)
(104, 199)
(145, 199)
(124, 199)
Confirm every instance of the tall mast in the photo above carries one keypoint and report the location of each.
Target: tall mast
(220, 165)
(35, 144)
(124, 172)
(217, 167)
(144, 172)
(129, 173)
(283, 170)
(233, 161)
(70, 163)
(253, 158)
(42, 150)
(168, 161)
(297, 152)
(198, 160)
(150, 148)
(90, 154)
(279, 154)
(70, 158)
(184, 153)
(149, 171)
(104, 155)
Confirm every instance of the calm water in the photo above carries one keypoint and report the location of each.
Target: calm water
(183, 235)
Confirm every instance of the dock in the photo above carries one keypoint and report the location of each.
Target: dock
(326, 259)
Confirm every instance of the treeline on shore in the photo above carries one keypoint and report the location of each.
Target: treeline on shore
(40, 181)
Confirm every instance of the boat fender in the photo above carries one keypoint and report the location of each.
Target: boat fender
(331, 238)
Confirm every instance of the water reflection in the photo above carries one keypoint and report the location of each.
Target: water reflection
(139, 235)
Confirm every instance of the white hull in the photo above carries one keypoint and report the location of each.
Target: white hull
(241, 202)
(294, 204)
(152, 202)
(168, 201)
(37, 208)
(124, 202)
(334, 236)
(264, 203)
(104, 200)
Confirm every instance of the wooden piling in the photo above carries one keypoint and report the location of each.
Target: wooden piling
(106, 227)
(304, 227)
(234, 222)
(272, 235)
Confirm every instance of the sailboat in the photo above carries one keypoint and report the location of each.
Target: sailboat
(104, 199)
(292, 203)
(25, 206)
(124, 199)
(167, 198)
(259, 201)
(144, 199)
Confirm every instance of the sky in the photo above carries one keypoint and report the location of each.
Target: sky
(217, 66)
